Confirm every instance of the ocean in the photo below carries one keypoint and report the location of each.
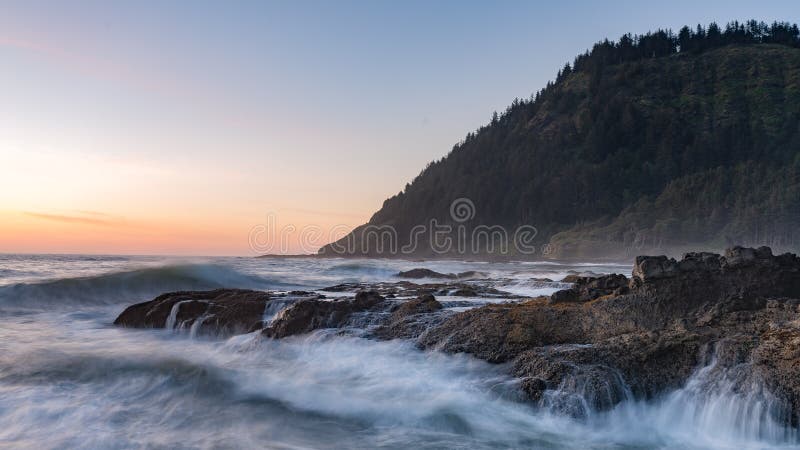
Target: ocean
(70, 379)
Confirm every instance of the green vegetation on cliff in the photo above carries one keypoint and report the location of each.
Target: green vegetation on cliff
(660, 141)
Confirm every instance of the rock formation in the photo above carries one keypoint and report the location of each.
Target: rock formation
(222, 311)
(602, 340)
(602, 337)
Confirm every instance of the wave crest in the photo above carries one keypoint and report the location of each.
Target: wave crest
(119, 287)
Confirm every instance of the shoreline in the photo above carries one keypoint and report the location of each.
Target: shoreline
(629, 338)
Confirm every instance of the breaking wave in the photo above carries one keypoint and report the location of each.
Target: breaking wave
(119, 287)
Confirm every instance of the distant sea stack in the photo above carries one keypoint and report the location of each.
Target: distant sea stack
(651, 144)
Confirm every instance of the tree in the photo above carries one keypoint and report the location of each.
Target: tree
(685, 39)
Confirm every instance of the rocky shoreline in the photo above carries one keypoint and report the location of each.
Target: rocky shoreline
(601, 341)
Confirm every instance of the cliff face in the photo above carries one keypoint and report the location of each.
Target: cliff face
(688, 149)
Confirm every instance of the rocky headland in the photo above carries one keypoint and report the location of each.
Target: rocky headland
(605, 339)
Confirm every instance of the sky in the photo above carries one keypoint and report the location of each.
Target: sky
(245, 127)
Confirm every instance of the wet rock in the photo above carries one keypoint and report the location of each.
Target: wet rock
(699, 262)
(571, 278)
(574, 275)
(499, 332)
(424, 304)
(465, 292)
(221, 311)
(647, 334)
(534, 388)
(308, 315)
(411, 318)
(590, 288)
(471, 274)
(742, 256)
(409, 289)
(647, 268)
(426, 273)
(604, 339)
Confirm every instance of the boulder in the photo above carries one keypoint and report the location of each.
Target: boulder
(423, 304)
(586, 289)
(471, 274)
(221, 311)
(647, 268)
(742, 256)
(426, 273)
(308, 315)
(411, 318)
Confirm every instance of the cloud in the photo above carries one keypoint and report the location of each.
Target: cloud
(94, 213)
(95, 220)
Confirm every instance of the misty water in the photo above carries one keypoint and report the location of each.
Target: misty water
(70, 379)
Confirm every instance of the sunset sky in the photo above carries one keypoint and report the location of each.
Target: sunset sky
(151, 127)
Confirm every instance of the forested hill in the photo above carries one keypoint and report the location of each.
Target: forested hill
(651, 143)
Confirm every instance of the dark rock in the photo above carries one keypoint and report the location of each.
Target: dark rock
(426, 273)
(411, 318)
(699, 261)
(308, 315)
(424, 304)
(470, 274)
(571, 278)
(742, 256)
(222, 311)
(500, 332)
(465, 292)
(574, 275)
(410, 289)
(603, 340)
(586, 289)
(648, 268)
(606, 338)
(534, 388)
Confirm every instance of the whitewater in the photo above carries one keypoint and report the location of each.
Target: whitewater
(70, 379)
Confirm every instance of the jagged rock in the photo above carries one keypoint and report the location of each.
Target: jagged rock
(590, 288)
(604, 339)
(742, 256)
(571, 278)
(307, 315)
(500, 332)
(648, 268)
(574, 276)
(221, 311)
(700, 261)
(652, 333)
(424, 304)
(409, 289)
(411, 318)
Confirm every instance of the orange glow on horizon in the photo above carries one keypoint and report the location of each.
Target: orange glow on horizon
(26, 232)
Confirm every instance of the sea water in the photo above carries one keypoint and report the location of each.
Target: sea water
(70, 379)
